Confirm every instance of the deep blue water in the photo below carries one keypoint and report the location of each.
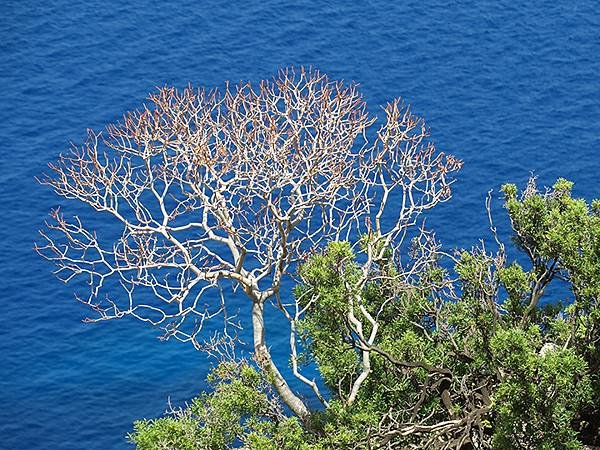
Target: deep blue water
(510, 87)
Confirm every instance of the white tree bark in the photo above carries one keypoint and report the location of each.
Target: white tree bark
(232, 190)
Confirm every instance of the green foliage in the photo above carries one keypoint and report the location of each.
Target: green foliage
(169, 433)
(240, 410)
(325, 336)
(516, 282)
(484, 348)
(538, 395)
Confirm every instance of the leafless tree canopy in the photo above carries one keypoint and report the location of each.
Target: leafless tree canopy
(230, 189)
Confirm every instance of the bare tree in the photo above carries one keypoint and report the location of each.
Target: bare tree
(215, 190)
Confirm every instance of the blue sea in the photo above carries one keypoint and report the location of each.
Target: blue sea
(510, 87)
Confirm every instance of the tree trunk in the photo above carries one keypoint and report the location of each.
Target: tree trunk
(266, 363)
